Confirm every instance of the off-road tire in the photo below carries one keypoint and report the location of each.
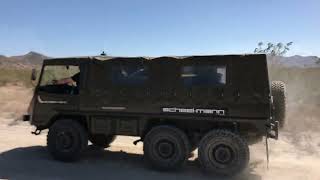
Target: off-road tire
(278, 91)
(223, 153)
(66, 140)
(101, 140)
(157, 142)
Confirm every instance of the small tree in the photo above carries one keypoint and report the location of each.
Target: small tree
(273, 49)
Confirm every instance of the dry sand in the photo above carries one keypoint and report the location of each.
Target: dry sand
(295, 156)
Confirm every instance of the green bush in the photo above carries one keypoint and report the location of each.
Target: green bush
(15, 75)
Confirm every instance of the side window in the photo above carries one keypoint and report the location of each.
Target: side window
(203, 75)
(129, 75)
(56, 79)
(57, 72)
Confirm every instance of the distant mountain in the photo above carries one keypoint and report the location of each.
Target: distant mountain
(30, 59)
(298, 61)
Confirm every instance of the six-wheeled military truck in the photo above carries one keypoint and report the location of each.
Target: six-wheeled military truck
(218, 104)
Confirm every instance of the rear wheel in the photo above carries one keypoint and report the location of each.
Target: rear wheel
(66, 140)
(223, 152)
(101, 140)
(278, 91)
(166, 147)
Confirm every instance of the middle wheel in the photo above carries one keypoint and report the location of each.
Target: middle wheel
(101, 140)
(166, 147)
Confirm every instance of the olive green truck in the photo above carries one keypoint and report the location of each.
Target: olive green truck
(219, 104)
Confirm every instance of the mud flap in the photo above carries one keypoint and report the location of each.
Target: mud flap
(272, 131)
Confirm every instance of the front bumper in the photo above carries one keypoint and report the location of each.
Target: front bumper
(26, 117)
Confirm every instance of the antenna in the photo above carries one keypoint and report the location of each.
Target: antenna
(103, 54)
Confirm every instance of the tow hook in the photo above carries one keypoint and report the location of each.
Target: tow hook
(136, 141)
(36, 132)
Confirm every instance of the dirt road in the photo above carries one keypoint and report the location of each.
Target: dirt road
(295, 156)
(24, 156)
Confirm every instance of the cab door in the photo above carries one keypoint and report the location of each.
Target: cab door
(52, 98)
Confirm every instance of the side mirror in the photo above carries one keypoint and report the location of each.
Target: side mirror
(33, 74)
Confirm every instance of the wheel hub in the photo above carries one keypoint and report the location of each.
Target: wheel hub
(64, 140)
(165, 149)
(222, 154)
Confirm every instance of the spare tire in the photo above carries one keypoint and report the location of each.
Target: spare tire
(278, 91)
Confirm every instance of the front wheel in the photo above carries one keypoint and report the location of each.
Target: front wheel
(223, 152)
(66, 140)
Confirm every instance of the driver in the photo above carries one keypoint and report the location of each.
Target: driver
(70, 80)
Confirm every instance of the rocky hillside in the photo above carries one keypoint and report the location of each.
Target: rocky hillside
(298, 61)
(28, 60)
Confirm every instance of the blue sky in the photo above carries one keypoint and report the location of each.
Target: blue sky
(156, 28)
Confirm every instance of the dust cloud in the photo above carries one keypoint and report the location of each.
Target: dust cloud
(14, 100)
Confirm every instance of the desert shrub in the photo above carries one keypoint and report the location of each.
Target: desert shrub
(15, 75)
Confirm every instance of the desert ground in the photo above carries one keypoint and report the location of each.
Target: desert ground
(294, 156)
